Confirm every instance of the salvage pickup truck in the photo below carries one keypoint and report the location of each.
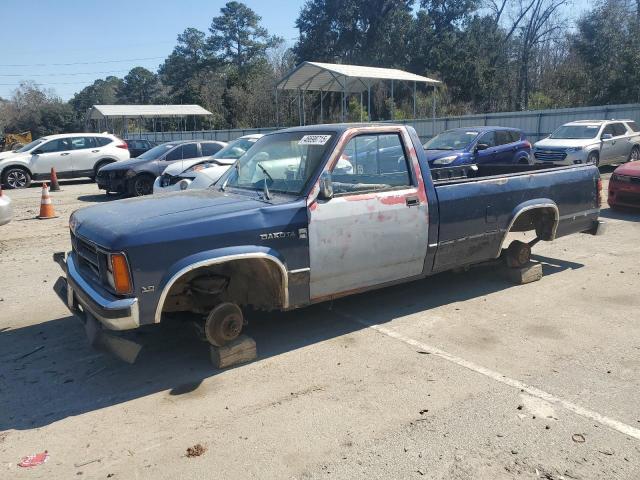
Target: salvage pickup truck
(286, 227)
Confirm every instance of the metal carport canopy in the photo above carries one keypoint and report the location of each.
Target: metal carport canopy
(332, 77)
(145, 111)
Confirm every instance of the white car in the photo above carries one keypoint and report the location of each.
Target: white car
(74, 155)
(601, 142)
(202, 172)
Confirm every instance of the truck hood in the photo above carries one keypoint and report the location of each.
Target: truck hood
(144, 220)
(564, 142)
(632, 169)
(435, 154)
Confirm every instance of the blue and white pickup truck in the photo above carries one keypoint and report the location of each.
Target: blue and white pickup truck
(304, 218)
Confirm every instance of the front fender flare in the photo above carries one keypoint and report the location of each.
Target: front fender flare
(217, 256)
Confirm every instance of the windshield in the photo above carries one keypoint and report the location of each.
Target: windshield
(236, 149)
(285, 161)
(156, 152)
(451, 140)
(31, 145)
(575, 132)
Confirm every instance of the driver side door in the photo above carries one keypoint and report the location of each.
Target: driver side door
(489, 154)
(374, 229)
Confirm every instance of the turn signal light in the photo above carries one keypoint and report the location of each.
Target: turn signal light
(121, 276)
(599, 192)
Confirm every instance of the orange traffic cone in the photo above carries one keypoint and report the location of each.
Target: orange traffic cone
(46, 205)
(54, 181)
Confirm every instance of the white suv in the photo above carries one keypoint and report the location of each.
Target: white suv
(590, 141)
(72, 154)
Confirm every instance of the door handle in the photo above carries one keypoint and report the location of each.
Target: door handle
(412, 201)
(63, 154)
(95, 151)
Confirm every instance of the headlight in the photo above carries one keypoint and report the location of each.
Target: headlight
(184, 184)
(573, 149)
(118, 274)
(130, 174)
(445, 160)
(197, 167)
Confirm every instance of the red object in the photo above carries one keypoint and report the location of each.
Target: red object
(54, 181)
(123, 145)
(527, 144)
(34, 460)
(624, 186)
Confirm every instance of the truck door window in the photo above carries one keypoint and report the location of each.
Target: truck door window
(633, 126)
(502, 137)
(371, 163)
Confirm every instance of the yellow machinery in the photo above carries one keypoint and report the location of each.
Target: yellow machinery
(13, 141)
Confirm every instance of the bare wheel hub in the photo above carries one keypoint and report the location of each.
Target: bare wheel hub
(224, 324)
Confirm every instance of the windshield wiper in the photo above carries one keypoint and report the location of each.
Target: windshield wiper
(267, 195)
(440, 148)
(226, 180)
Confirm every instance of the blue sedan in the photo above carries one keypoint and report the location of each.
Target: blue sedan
(478, 145)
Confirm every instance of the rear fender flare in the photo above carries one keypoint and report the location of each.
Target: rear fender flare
(536, 204)
(219, 256)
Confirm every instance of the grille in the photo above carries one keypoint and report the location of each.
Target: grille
(87, 254)
(550, 155)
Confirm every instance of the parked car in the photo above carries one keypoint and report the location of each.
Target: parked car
(601, 142)
(74, 155)
(136, 176)
(268, 237)
(478, 145)
(138, 146)
(6, 210)
(624, 186)
(207, 171)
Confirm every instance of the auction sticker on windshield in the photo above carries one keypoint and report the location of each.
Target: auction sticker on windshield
(314, 139)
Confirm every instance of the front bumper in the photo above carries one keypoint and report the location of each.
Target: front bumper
(111, 183)
(545, 156)
(624, 194)
(80, 297)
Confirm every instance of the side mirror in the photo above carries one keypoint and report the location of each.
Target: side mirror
(481, 146)
(606, 136)
(326, 187)
(37, 151)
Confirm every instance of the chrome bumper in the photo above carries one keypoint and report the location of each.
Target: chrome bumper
(112, 312)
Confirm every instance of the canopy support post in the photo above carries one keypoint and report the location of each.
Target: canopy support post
(433, 113)
(361, 107)
(321, 98)
(299, 108)
(277, 109)
(369, 100)
(414, 100)
(393, 103)
(304, 110)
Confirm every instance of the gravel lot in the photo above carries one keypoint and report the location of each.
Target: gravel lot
(459, 376)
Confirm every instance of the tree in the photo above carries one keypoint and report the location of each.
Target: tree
(187, 61)
(237, 37)
(139, 86)
(100, 92)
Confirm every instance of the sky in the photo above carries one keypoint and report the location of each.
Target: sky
(100, 38)
(86, 32)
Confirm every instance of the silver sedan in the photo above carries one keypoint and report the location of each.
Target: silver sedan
(6, 211)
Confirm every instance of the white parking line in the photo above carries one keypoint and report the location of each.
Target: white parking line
(498, 377)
